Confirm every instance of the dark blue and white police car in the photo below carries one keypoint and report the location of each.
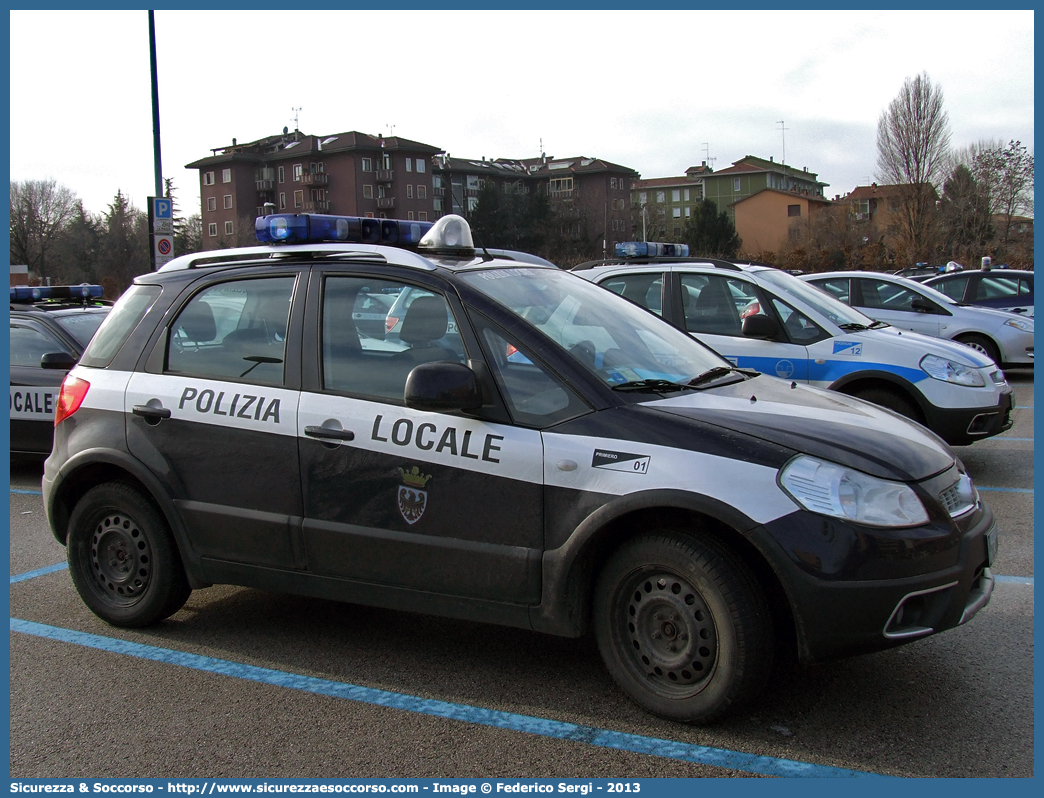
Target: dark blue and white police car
(565, 462)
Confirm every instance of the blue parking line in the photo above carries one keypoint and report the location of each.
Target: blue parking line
(1006, 490)
(50, 569)
(27, 492)
(602, 738)
(1015, 580)
(1006, 438)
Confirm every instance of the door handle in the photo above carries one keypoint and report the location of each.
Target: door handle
(330, 434)
(149, 412)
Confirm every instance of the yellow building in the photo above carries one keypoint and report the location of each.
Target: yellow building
(770, 218)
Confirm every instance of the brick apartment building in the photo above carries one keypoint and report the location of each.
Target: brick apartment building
(354, 174)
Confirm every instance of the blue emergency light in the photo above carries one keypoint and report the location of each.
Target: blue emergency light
(312, 228)
(651, 249)
(37, 293)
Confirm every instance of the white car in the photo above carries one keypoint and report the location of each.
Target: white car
(1007, 338)
(764, 319)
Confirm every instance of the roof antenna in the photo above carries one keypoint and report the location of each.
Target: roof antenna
(296, 111)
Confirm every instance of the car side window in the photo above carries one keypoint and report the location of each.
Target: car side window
(883, 295)
(954, 288)
(28, 345)
(997, 288)
(645, 289)
(535, 397)
(716, 305)
(234, 330)
(374, 332)
(800, 328)
(839, 288)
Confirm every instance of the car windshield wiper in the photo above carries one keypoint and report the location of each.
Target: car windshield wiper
(650, 385)
(853, 326)
(877, 325)
(712, 374)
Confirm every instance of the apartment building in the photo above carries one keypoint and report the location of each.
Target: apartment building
(350, 174)
(750, 174)
(662, 206)
(770, 218)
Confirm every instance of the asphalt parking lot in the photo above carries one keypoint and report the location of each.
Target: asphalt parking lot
(242, 684)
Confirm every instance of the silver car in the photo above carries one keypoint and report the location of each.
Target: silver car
(1005, 337)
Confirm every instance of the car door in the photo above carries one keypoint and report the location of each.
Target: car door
(899, 305)
(215, 412)
(1009, 292)
(440, 502)
(713, 307)
(34, 389)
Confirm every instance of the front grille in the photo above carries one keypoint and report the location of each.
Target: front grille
(958, 498)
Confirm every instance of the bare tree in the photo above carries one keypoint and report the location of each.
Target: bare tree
(1011, 172)
(40, 211)
(913, 139)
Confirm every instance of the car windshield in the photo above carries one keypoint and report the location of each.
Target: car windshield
(816, 298)
(622, 343)
(931, 293)
(81, 324)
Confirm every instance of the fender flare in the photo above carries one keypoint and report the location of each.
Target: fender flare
(907, 387)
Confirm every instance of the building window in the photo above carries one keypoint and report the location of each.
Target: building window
(208, 180)
(422, 216)
(297, 172)
(676, 195)
(227, 201)
(281, 174)
(381, 191)
(686, 192)
(298, 199)
(409, 164)
(661, 196)
(422, 192)
(226, 175)
(560, 184)
(473, 182)
(211, 203)
(643, 197)
(612, 183)
(688, 212)
(436, 181)
(409, 190)
(420, 165)
(228, 228)
(282, 201)
(409, 216)
(367, 165)
(367, 191)
(386, 161)
(212, 229)
(317, 168)
(735, 184)
(793, 210)
(676, 213)
(618, 204)
(437, 204)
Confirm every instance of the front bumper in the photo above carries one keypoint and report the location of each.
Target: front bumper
(837, 617)
(964, 425)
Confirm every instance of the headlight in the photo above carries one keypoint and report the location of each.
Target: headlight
(1020, 324)
(940, 368)
(830, 489)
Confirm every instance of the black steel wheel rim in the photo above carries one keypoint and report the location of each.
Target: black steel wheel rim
(120, 559)
(668, 633)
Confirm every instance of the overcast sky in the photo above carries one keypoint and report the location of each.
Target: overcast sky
(657, 91)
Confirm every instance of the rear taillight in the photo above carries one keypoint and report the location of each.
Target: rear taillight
(390, 322)
(73, 392)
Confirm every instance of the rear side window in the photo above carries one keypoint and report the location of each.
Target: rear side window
(1000, 288)
(838, 288)
(954, 288)
(646, 289)
(234, 331)
(125, 315)
(28, 345)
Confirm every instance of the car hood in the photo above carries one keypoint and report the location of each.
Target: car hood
(930, 345)
(820, 423)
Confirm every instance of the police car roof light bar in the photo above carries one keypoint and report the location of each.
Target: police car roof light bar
(651, 249)
(36, 293)
(312, 228)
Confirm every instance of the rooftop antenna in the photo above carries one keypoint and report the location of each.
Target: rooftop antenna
(706, 155)
(541, 147)
(783, 132)
(296, 111)
(391, 130)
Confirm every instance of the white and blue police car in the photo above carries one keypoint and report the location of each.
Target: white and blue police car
(765, 319)
(565, 462)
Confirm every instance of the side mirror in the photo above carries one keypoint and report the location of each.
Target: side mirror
(443, 386)
(760, 326)
(57, 360)
(922, 306)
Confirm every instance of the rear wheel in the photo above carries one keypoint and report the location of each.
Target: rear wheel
(123, 559)
(980, 343)
(891, 400)
(682, 626)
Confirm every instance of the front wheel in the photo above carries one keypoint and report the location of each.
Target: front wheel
(983, 345)
(123, 559)
(683, 626)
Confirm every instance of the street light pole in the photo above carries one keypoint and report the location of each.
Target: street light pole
(155, 106)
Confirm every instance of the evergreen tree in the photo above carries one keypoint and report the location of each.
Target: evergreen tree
(710, 233)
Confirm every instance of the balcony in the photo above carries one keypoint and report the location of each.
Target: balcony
(317, 206)
(439, 192)
(385, 175)
(265, 185)
(314, 178)
(386, 203)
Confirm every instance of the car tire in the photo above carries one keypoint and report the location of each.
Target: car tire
(683, 626)
(980, 343)
(891, 400)
(123, 560)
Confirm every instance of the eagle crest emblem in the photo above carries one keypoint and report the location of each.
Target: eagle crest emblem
(413, 499)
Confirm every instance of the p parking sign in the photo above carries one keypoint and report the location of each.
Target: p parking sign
(161, 229)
